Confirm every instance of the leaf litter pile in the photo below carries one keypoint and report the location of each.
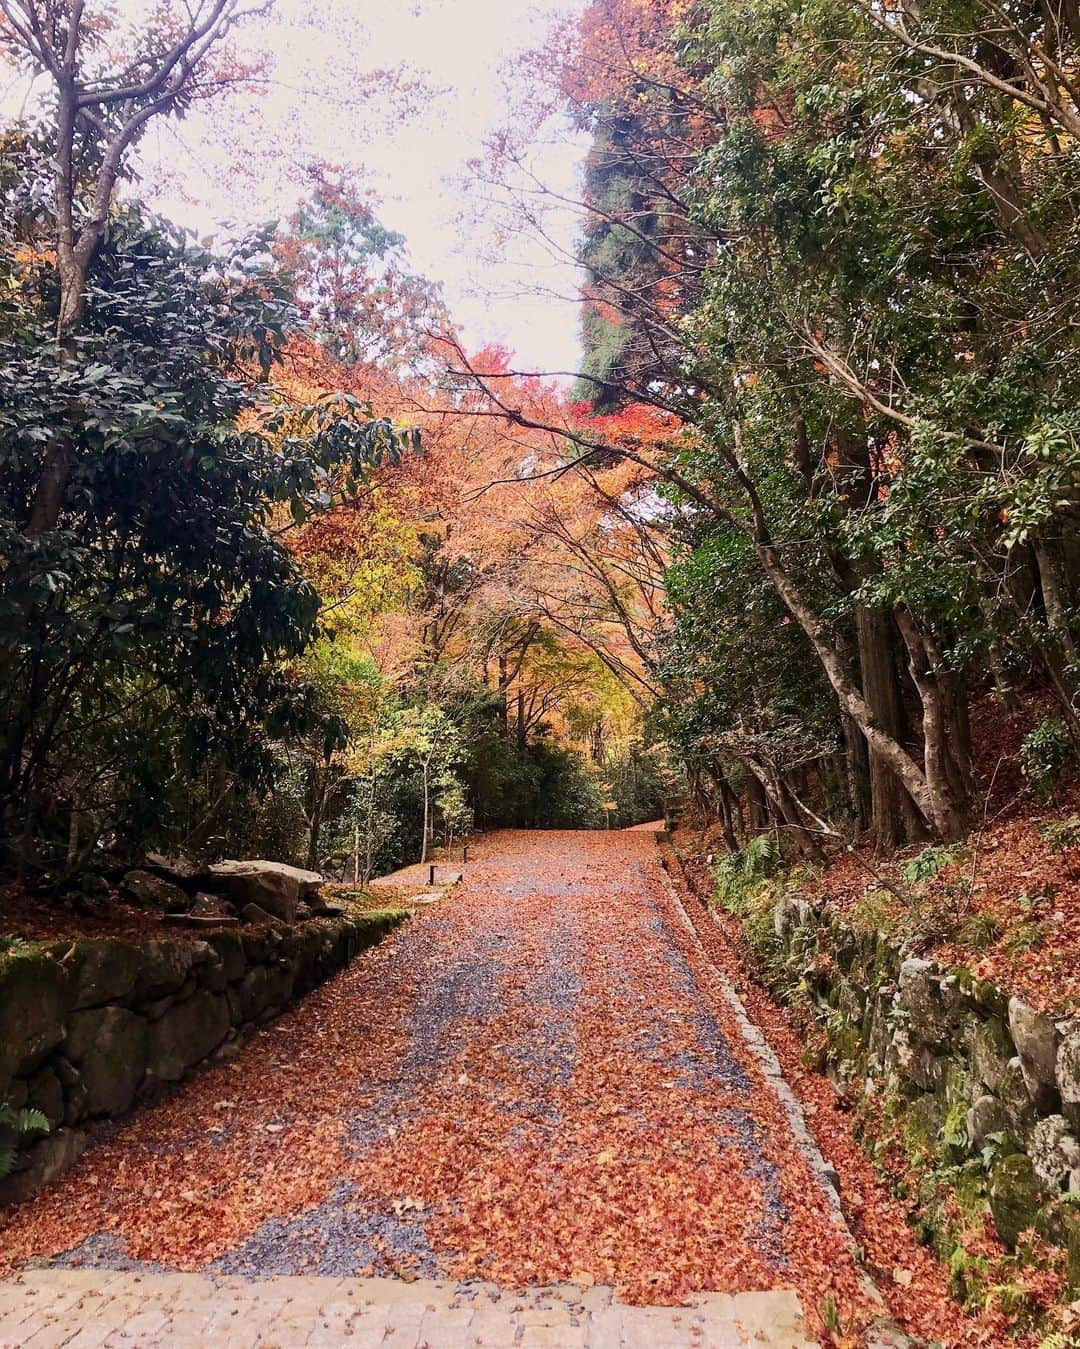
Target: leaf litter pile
(538, 1079)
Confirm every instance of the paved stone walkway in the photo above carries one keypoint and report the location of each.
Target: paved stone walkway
(83, 1309)
(538, 1079)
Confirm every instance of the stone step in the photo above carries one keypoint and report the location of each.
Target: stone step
(49, 1308)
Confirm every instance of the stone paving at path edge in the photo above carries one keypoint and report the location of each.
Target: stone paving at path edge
(81, 1309)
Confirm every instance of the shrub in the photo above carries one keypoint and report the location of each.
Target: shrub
(1045, 753)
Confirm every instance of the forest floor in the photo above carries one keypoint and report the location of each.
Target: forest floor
(1005, 904)
(540, 1080)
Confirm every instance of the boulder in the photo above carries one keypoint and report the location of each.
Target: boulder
(45, 1093)
(1054, 1153)
(987, 1116)
(47, 1160)
(108, 1045)
(1035, 1037)
(105, 970)
(1014, 1197)
(255, 913)
(34, 998)
(176, 869)
(186, 1034)
(990, 1050)
(153, 892)
(274, 886)
(930, 1021)
(1067, 1071)
(212, 906)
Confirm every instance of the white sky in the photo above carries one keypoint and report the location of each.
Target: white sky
(456, 59)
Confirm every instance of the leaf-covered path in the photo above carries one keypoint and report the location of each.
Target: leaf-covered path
(538, 1080)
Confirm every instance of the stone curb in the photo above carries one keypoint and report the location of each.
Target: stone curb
(883, 1332)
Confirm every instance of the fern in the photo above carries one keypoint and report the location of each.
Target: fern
(18, 1124)
(738, 872)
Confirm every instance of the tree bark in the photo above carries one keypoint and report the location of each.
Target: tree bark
(894, 820)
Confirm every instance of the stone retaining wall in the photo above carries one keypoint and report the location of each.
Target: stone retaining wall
(88, 1028)
(981, 1091)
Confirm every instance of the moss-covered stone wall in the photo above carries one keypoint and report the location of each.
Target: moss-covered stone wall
(977, 1092)
(89, 1028)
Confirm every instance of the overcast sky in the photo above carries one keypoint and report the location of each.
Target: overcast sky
(410, 139)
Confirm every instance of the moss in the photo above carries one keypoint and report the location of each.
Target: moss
(13, 949)
(968, 1278)
(845, 1047)
(393, 916)
(955, 1144)
(874, 912)
(1014, 1197)
(921, 1132)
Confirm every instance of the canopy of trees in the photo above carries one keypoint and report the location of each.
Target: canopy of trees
(287, 568)
(838, 241)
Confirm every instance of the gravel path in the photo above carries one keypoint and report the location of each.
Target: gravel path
(536, 1080)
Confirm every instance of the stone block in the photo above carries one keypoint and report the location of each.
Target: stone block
(105, 970)
(273, 886)
(1035, 1037)
(108, 1045)
(990, 1049)
(44, 1092)
(229, 948)
(931, 1018)
(35, 993)
(186, 1034)
(250, 996)
(165, 967)
(1054, 1153)
(153, 892)
(987, 1116)
(1014, 1197)
(1067, 1071)
(914, 1062)
(43, 1163)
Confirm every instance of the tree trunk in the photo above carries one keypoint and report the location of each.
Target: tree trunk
(1057, 610)
(849, 695)
(856, 770)
(758, 805)
(504, 710)
(786, 810)
(948, 772)
(895, 821)
(427, 816)
(319, 783)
